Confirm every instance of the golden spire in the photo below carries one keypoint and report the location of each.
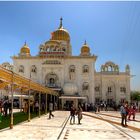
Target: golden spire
(61, 26)
(25, 43)
(85, 43)
(60, 33)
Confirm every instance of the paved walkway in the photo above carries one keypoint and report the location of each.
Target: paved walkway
(59, 128)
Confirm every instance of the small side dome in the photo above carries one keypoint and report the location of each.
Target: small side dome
(85, 50)
(60, 33)
(25, 50)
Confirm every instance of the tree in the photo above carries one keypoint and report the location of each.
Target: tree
(135, 95)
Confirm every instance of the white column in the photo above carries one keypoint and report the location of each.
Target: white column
(92, 84)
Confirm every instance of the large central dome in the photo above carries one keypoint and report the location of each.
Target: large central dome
(61, 33)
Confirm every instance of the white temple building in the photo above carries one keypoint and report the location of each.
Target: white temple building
(74, 77)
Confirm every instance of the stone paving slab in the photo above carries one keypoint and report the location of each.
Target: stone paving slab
(49, 129)
(38, 129)
(134, 134)
(93, 129)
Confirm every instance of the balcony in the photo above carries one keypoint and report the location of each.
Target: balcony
(54, 86)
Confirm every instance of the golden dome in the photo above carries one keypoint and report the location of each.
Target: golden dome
(60, 33)
(25, 50)
(85, 48)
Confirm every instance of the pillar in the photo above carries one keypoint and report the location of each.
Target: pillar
(11, 119)
(21, 101)
(29, 114)
(39, 104)
(46, 104)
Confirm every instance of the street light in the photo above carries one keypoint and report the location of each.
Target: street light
(11, 121)
(29, 115)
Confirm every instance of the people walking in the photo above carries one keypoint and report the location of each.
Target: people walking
(127, 109)
(36, 107)
(50, 110)
(132, 111)
(43, 107)
(72, 114)
(10, 106)
(5, 106)
(79, 113)
(123, 115)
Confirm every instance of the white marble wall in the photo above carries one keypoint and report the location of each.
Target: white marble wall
(62, 71)
(121, 80)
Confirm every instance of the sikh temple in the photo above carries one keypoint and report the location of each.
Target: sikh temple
(74, 77)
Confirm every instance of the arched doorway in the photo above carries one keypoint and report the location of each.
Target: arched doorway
(51, 80)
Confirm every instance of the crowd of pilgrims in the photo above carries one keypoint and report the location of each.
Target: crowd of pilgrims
(6, 107)
(131, 108)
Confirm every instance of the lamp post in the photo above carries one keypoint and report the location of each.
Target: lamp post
(46, 104)
(39, 103)
(11, 119)
(21, 101)
(29, 114)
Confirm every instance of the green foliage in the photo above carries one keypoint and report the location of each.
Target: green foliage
(17, 117)
(135, 95)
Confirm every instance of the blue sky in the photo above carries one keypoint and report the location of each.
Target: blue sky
(112, 30)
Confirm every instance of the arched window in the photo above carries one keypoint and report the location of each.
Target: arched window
(109, 89)
(11, 68)
(33, 69)
(110, 68)
(5, 66)
(21, 68)
(63, 49)
(85, 86)
(85, 69)
(72, 68)
(47, 48)
(41, 49)
(123, 89)
(51, 48)
(52, 80)
(97, 88)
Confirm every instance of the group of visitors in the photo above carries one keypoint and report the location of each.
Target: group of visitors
(127, 111)
(74, 112)
(34, 106)
(97, 107)
(5, 107)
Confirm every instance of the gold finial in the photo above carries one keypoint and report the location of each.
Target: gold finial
(61, 26)
(85, 43)
(25, 43)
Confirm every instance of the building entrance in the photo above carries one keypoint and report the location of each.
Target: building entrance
(68, 104)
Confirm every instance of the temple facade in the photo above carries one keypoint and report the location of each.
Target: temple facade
(74, 77)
